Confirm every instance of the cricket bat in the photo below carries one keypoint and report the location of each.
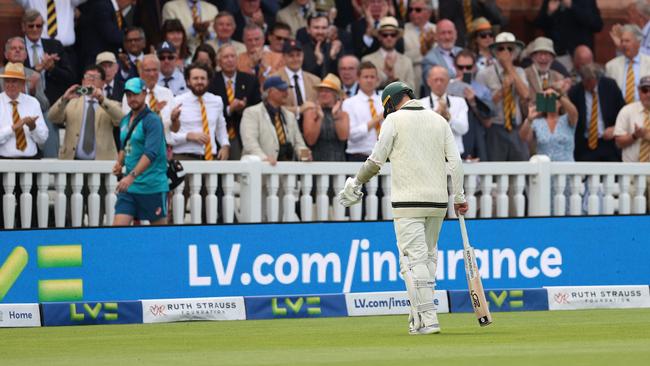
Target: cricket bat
(474, 284)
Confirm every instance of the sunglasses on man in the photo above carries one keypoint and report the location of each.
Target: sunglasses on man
(505, 48)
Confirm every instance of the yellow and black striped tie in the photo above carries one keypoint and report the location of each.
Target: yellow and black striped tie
(195, 9)
(403, 11)
(467, 13)
(119, 18)
(373, 114)
(51, 19)
(206, 130)
(629, 83)
(508, 108)
(644, 149)
(230, 95)
(21, 139)
(544, 82)
(277, 121)
(153, 102)
(592, 140)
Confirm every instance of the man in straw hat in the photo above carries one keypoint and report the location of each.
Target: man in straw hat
(326, 126)
(421, 147)
(509, 89)
(391, 64)
(539, 74)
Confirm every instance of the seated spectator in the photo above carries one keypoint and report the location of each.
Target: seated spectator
(463, 12)
(480, 39)
(256, 60)
(174, 33)
(366, 114)
(326, 126)
(250, 12)
(348, 71)
(129, 61)
(629, 67)
(268, 130)
(509, 89)
(552, 132)
(97, 31)
(320, 54)
(598, 100)
(632, 128)
(205, 54)
(296, 14)
(453, 109)
(88, 119)
(443, 52)
(391, 64)
(224, 27)
(237, 90)
(539, 75)
(419, 36)
(195, 16)
(170, 76)
(301, 82)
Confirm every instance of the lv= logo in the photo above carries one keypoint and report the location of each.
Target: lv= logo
(48, 256)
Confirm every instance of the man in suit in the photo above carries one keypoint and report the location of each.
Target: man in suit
(539, 74)
(238, 90)
(321, 54)
(250, 11)
(348, 71)
(295, 14)
(629, 67)
(270, 131)
(113, 87)
(46, 56)
(364, 39)
(224, 26)
(129, 61)
(391, 64)
(460, 11)
(97, 31)
(196, 17)
(594, 136)
(300, 82)
(443, 53)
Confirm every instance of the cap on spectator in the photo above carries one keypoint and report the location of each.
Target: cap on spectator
(105, 57)
(331, 82)
(275, 82)
(291, 45)
(542, 44)
(388, 24)
(165, 47)
(14, 71)
(134, 85)
(645, 81)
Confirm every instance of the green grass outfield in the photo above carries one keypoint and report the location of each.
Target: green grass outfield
(593, 337)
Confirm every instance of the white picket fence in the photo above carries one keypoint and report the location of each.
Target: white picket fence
(70, 193)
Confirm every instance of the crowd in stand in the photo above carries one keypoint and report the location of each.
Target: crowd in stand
(300, 79)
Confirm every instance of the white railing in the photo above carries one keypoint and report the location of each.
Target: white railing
(82, 193)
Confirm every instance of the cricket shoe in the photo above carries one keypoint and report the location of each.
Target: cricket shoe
(431, 329)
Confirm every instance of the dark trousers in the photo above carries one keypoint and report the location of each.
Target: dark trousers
(605, 151)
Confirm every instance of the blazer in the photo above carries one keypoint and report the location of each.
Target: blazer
(535, 82)
(329, 65)
(610, 102)
(70, 114)
(118, 89)
(310, 81)
(96, 31)
(403, 68)
(432, 58)
(61, 76)
(246, 87)
(258, 132)
(292, 16)
(180, 10)
(615, 69)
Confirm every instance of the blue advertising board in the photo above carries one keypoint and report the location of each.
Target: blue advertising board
(133, 263)
(89, 313)
(308, 306)
(501, 300)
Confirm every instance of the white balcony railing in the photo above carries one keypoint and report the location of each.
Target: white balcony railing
(82, 193)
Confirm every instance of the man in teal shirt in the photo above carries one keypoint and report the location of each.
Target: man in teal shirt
(142, 192)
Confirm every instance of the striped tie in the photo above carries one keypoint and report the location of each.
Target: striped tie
(373, 114)
(423, 43)
(629, 83)
(508, 108)
(21, 139)
(51, 19)
(153, 103)
(402, 9)
(277, 121)
(545, 82)
(206, 130)
(467, 12)
(195, 10)
(644, 149)
(230, 95)
(592, 140)
(120, 19)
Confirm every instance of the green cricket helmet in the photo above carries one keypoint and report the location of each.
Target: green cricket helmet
(393, 94)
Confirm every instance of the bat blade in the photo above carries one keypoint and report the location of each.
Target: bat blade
(474, 283)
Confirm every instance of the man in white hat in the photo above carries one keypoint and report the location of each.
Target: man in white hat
(392, 64)
(539, 74)
(509, 89)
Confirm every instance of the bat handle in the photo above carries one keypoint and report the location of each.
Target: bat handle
(463, 230)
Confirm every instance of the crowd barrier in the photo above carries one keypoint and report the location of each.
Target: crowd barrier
(251, 271)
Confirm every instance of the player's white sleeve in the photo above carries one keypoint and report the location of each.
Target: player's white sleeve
(380, 152)
(455, 166)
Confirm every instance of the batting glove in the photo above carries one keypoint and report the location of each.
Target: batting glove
(351, 193)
